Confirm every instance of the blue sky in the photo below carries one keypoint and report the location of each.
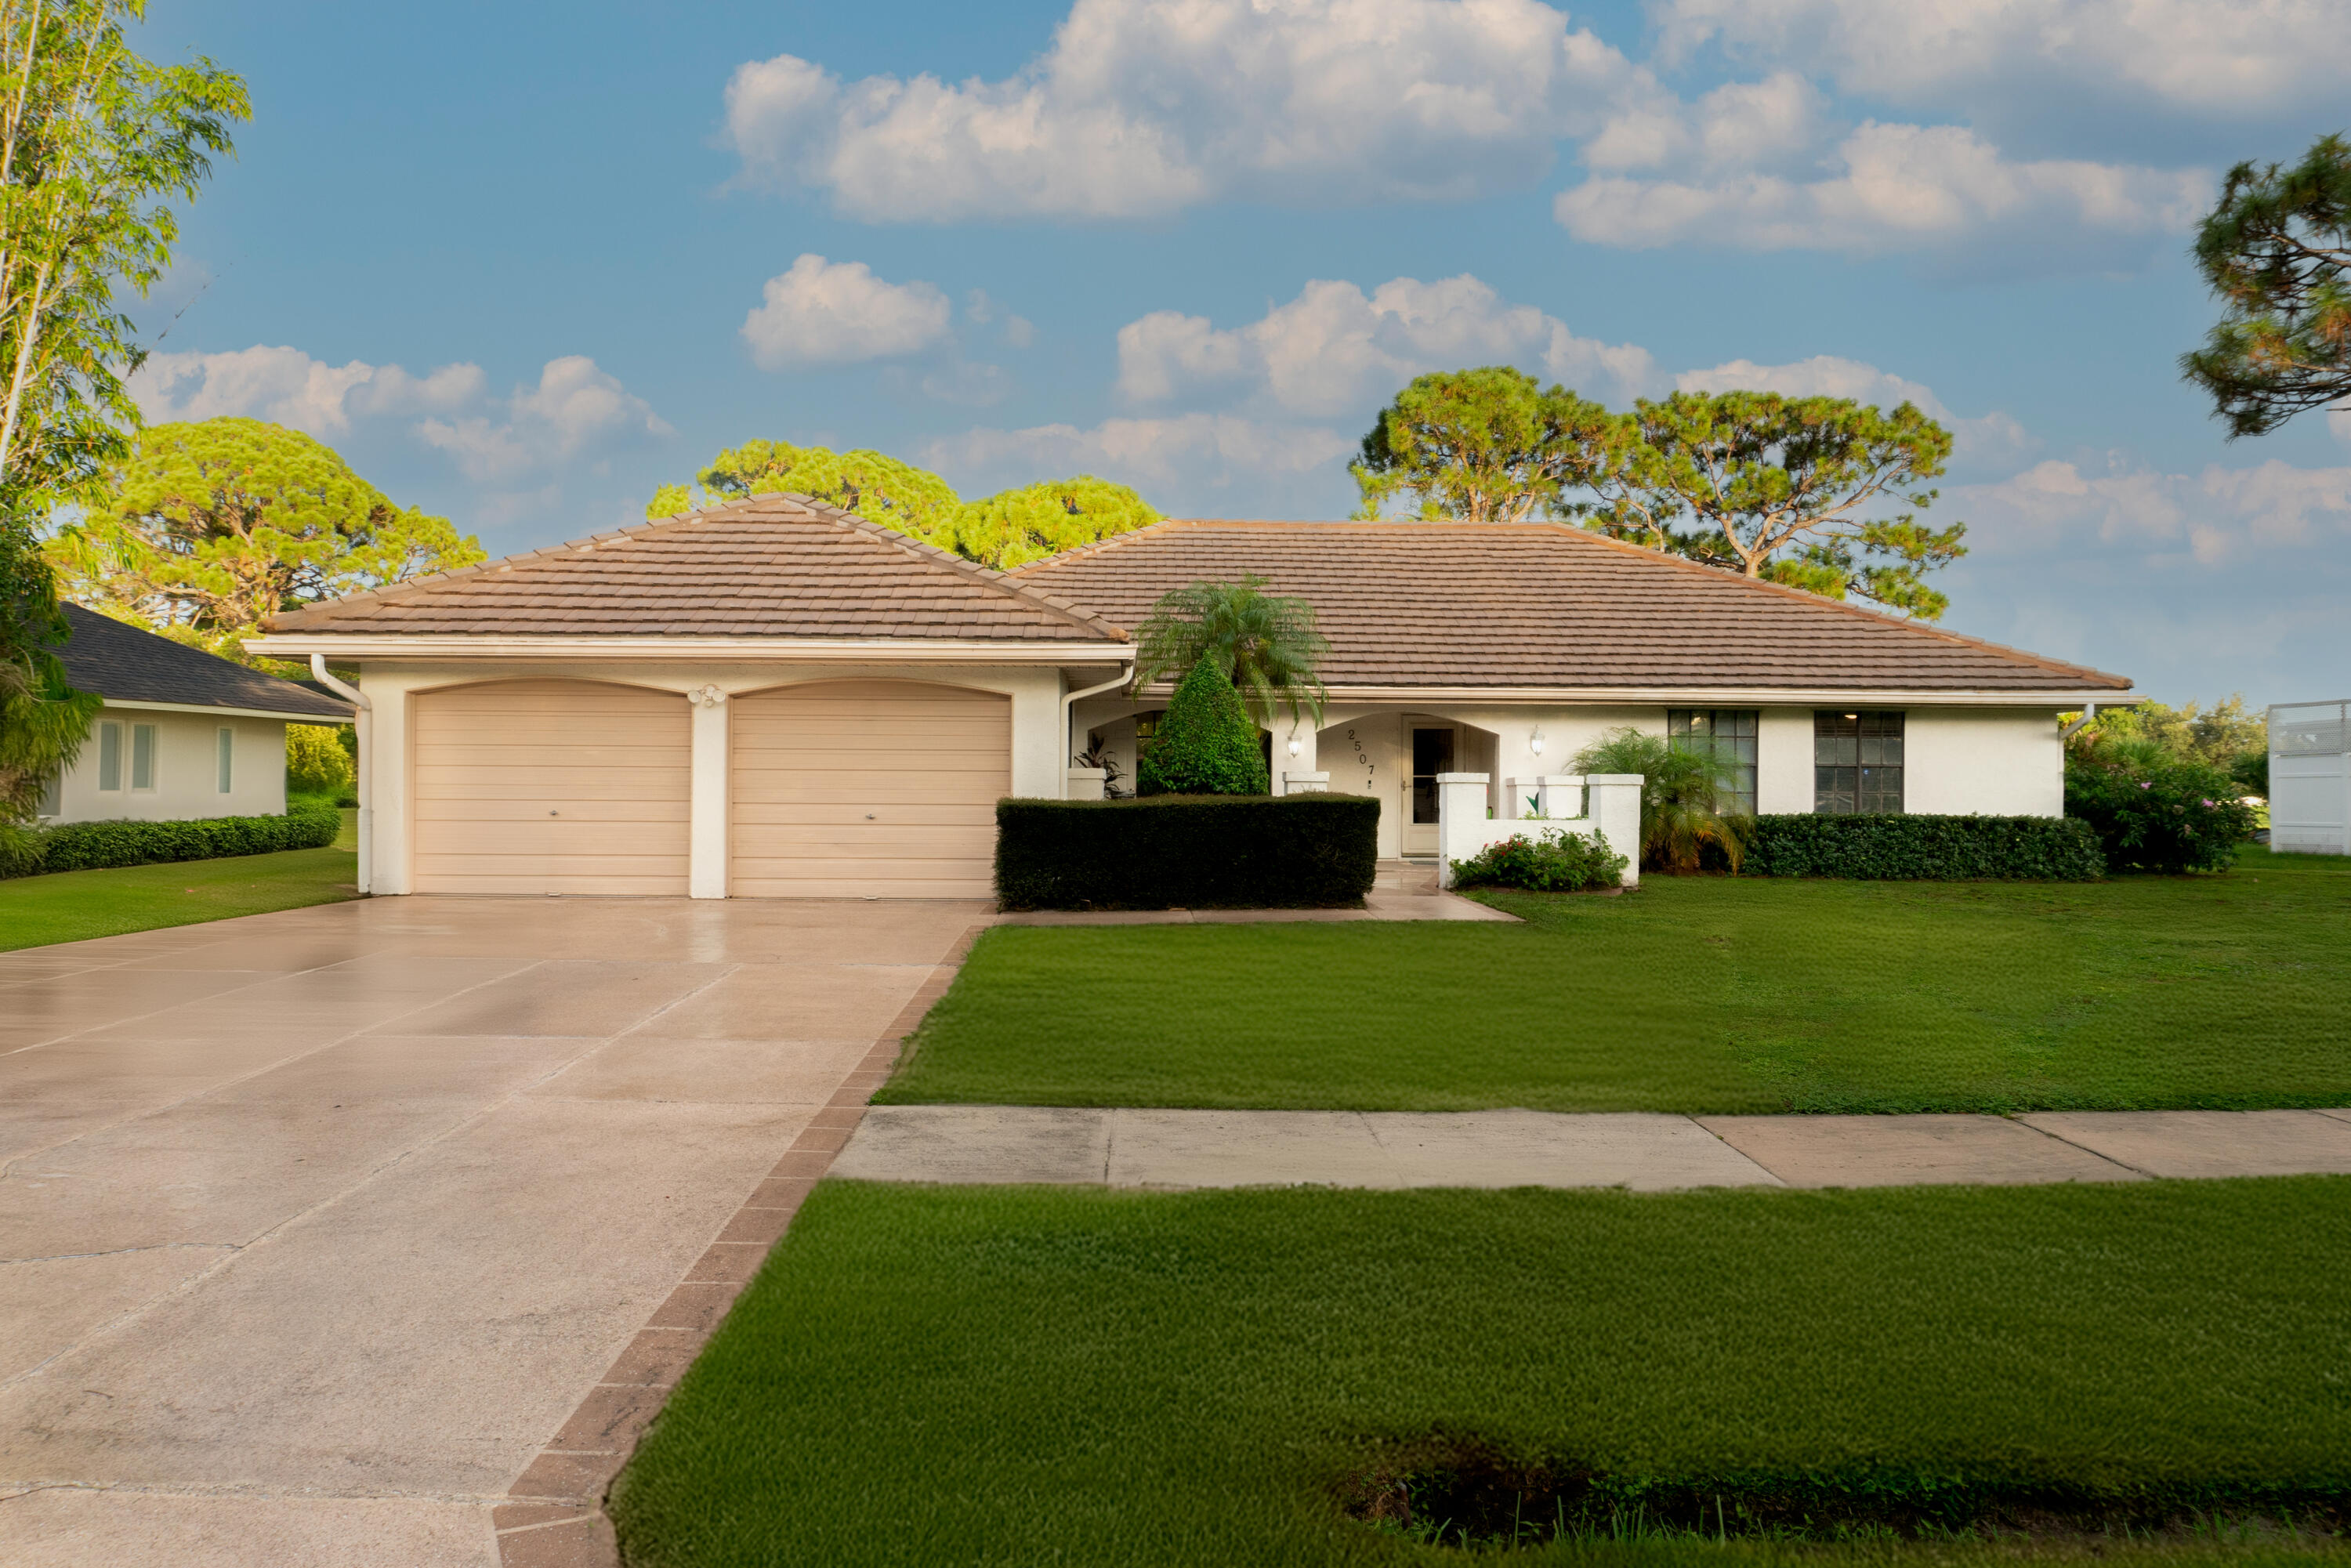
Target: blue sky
(523, 264)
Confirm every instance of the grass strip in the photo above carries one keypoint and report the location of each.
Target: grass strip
(73, 905)
(1698, 994)
(1000, 1375)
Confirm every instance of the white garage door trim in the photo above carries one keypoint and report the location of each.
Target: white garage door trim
(866, 788)
(550, 786)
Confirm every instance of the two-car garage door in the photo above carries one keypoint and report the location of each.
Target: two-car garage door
(837, 789)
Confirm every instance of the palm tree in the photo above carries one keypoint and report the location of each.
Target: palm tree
(1267, 645)
(1682, 794)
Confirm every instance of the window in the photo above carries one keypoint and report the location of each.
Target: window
(1728, 734)
(224, 750)
(1146, 730)
(1857, 762)
(110, 757)
(143, 756)
(52, 794)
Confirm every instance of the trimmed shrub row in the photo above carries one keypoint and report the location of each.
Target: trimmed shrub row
(1187, 852)
(1925, 848)
(89, 846)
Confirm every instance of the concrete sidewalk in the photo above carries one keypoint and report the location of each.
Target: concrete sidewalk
(1178, 1149)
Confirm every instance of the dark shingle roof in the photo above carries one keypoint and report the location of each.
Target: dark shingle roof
(773, 566)
(129, 664)
(1541, 604)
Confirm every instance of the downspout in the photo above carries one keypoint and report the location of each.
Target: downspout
(2089, 712)
(357, 699)
(1069, 699)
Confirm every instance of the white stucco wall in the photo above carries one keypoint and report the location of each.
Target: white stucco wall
(1996, 762)
(1036, 692)
(186, 778)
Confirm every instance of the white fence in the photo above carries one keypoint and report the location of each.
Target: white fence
(2310, 783)
(1608, 807)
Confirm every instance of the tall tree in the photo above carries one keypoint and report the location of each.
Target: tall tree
(1004, 531)
(1266, 645)
(93, 141)
(214, 526)
(2277, 249)
(1783, 489)
(1483, 445)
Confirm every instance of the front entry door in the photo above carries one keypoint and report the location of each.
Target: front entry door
(1432, 754)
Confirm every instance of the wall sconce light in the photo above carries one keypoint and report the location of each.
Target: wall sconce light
(1535, 743)
(1296, 746)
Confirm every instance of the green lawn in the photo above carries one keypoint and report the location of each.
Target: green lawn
(929, 1375)
(74, 904)
(1700, 994)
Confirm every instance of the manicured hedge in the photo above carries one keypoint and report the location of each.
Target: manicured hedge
(88, 846)
(1926, 848)
(1187, 852)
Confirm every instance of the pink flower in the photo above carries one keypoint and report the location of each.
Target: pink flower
(2146, 786)
(2207, 802)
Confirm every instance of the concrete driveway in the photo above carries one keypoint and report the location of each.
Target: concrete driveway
(316, 1226)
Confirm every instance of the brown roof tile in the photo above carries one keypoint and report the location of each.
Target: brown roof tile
(1541, 604)
(774, 566)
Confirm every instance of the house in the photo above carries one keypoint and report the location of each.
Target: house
(184, 734)
(775, 698)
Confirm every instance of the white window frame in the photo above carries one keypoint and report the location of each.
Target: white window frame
(224, 759)
(110, 757)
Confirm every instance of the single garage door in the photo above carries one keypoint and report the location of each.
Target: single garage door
(867, 790)
(551, 786)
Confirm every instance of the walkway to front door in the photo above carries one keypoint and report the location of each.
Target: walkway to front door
(318, 1225)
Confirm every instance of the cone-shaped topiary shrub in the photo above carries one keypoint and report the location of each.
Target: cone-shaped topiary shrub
(1206, 745)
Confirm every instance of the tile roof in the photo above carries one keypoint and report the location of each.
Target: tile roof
(773, 566)
(1541, 604)
(130, 664)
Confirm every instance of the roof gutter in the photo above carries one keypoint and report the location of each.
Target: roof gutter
(366, 710)
(810, 650)
(1069, 740)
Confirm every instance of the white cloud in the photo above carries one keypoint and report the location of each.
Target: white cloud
(574, 405)
(2228, 58)
(1994, 437)
(287, 386)
(1336, 350)
(1901, 188)
(1195, 453)
(1740, 125)
(838, 313)
(2211, 517)
(1147, 107)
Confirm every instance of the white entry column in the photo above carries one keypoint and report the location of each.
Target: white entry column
(706, 864)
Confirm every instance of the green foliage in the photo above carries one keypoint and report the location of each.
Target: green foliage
(1009, 529)
(2251, 771)
(1704, 995)
(1925, 848)
(2275, 249)
(1783, 488)
(1483, 445)
(43, 720)
(1206, 745)
(1681, 791)
(215, 527)
(1267, 646)
(1167, 1380)
(316, 762)
(84, 846)
(1190, 851)
(93, 140)
(1013, 527)
(2152, 813)
(2216, 737)
(1552, 862)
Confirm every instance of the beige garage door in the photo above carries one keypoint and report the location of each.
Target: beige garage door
(551, 786)
(867, 788)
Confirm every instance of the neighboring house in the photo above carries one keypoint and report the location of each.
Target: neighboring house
(184, 734)
(775, 698)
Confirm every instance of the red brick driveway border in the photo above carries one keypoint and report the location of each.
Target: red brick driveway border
(556, 1518)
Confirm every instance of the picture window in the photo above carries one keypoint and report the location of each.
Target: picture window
(1728, 734)
(1856, 763)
